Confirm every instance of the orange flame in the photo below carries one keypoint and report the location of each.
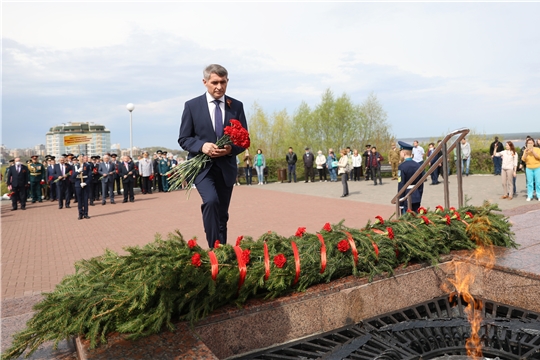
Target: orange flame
(463, 280)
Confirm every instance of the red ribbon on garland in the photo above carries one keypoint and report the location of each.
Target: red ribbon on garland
(266, 262)
(323, 253)
(296, 260)
(353, 247)
(241, 266)
(214, 263)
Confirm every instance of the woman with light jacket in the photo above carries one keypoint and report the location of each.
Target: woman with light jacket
(331, 164)
(509, 168)
(342, 170)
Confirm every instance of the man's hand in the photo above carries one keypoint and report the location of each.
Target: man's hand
(213, 151)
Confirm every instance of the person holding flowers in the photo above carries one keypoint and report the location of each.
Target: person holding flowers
(211, 163)
(18, 181)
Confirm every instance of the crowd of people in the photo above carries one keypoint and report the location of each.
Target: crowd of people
(86, 180)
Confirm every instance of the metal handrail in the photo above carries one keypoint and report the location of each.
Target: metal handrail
(443, 146)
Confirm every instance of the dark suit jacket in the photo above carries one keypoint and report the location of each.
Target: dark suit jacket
(122, 170)
(16, 179)
(102, 170)
(197, 128)
(58, 172)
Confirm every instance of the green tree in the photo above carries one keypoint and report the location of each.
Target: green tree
(374, 125)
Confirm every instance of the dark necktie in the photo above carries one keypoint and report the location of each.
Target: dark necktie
(218, 118)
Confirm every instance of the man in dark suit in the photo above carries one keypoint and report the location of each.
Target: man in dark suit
(203, 121)
(126, 170)
(116, 175)
(80, 177)
(61, 175)
(18, 180)
(107, 171)
(50, 177)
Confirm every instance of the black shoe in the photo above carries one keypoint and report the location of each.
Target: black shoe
(80, 217)
(92, 203)
(86, 217)
(131, 200)
(112, 202)
(33, 201)
(40, 201)
(68, 207)
(23, 207)
(13, 209)
(125, 201)
(380, 183)
(60, 207)
(344, 195)
(375, 184)
(75, 201)
(103, 203)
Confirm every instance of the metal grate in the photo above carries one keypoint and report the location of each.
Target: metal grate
(425, 331)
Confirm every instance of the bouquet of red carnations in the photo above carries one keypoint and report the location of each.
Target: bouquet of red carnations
(234, 134)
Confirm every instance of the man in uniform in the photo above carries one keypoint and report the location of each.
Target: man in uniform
(406, 171)
(116, 175)
(37, 178)
(164, 166)
(393, 157)
(80, 177)
(157, 177)
(18, 179)
(96, 183)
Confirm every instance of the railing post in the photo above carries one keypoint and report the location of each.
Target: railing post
(445, 175)
(459, 173)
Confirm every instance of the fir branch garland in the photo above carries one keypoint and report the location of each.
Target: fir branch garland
(143, 292)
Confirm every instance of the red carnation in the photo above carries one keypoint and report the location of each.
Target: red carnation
(439, 208)
(280, 260)
(192, 243)
(448, 220)
(452, 209)
(426, 220)
(151, 177)
(246, 256)
(168, 175)
(469, 215)
(50, 178)
(343, 246)
(422, 210)
(11, 194)
(238, 135)
(216, 244)
(390, 233)
(300, 232)
(379, 220)
(327, 227)
(456, 214)
(409, 211)
(42, 182)
(196, 260)
(239, 239)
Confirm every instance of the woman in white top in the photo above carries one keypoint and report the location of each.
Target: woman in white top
(356, 164)
(342, 169)
(509, 166)
(320, 161)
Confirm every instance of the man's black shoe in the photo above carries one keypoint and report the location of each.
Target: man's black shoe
(80, 217)
(86, 217)
(68, 207)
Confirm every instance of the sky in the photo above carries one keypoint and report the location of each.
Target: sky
(434, 67)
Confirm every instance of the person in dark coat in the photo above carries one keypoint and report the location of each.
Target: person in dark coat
(128, 174)
(61, 178)
(18, 181)
(309, 160)
(406, 171)
(81, 178)
(495, 147)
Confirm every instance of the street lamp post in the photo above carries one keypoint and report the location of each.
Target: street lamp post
(130, 107)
